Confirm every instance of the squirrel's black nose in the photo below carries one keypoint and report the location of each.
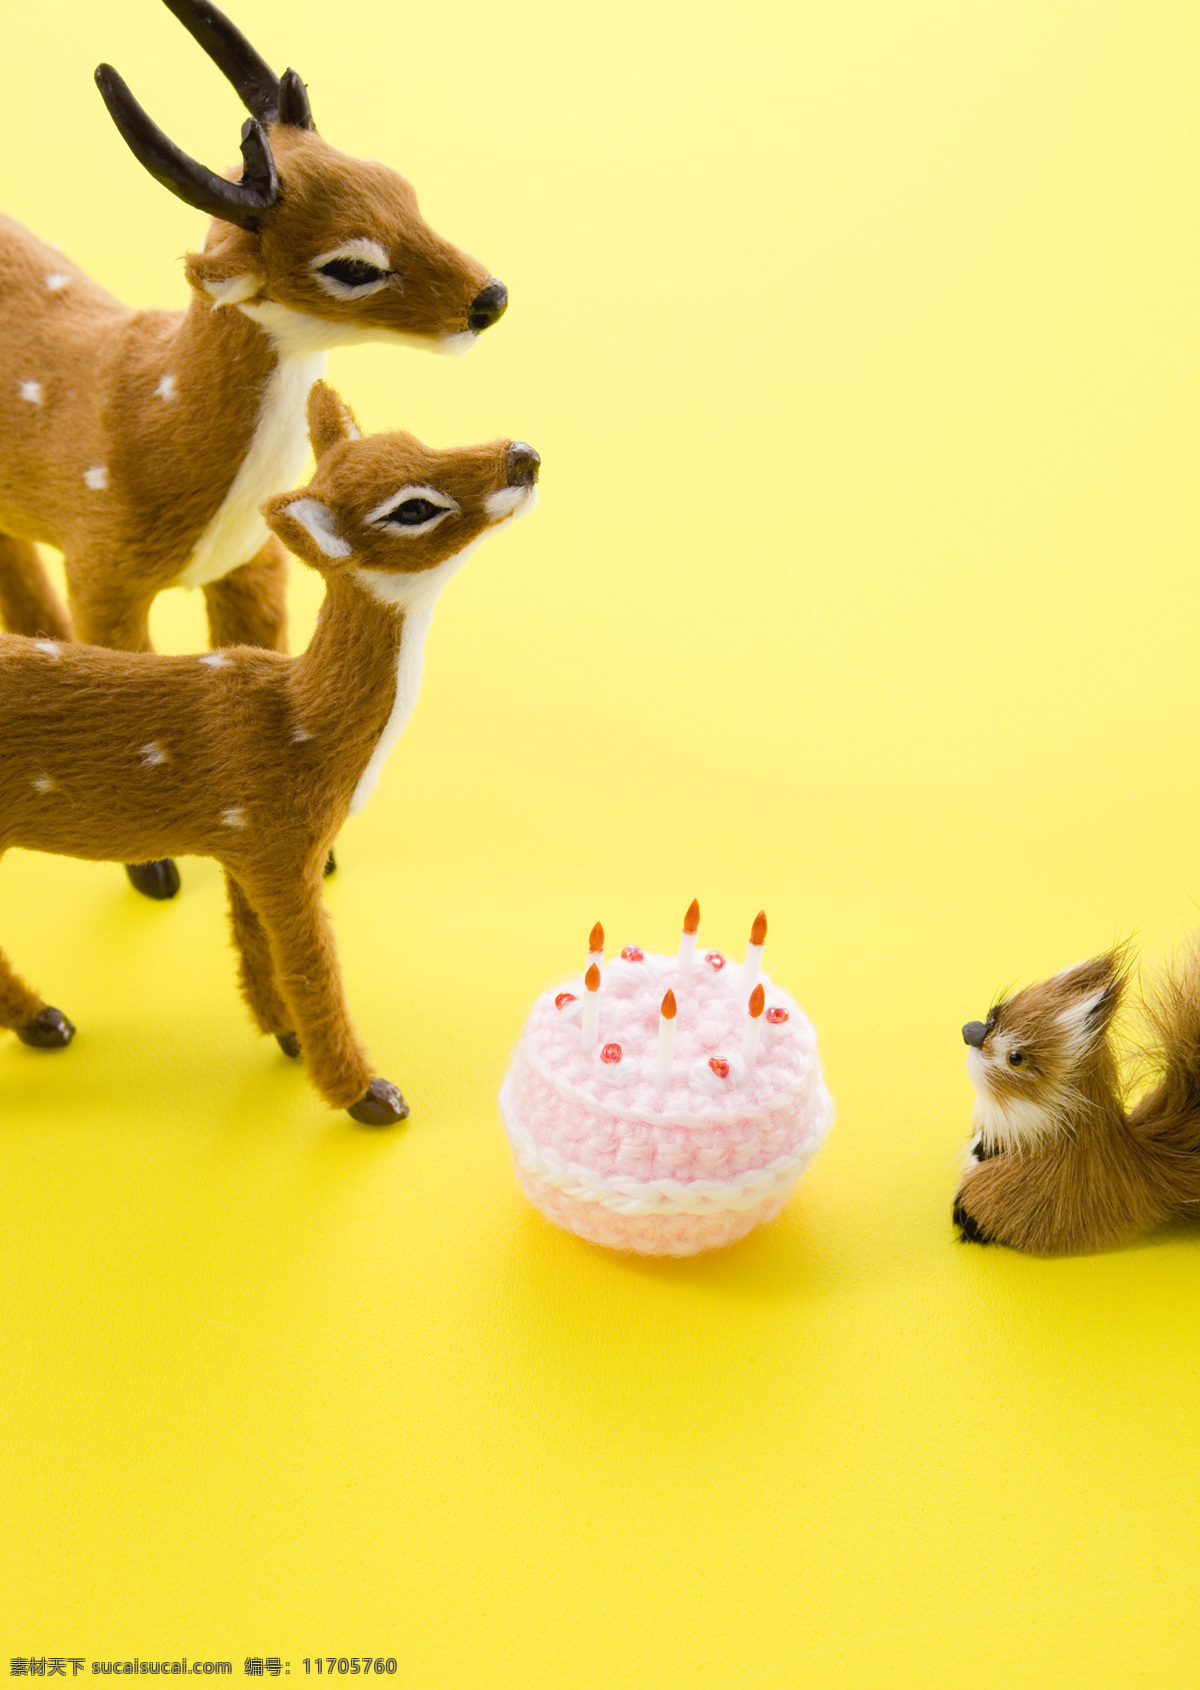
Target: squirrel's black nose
(974, 1034)
(523, 463)
(488, 307)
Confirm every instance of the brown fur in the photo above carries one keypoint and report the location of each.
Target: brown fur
(252, 758)
(169, 462)
(1059, 1165)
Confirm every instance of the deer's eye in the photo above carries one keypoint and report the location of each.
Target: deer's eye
(352, 272)
(1015, 1058)
(411, 513)
(416, 508)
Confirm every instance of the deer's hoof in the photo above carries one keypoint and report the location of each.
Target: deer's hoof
(49, 1030)
(381, 1107)
(154, 880)
(330, 864)
(289, 1044)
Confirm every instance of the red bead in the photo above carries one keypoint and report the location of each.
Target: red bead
(718, 1064)
(634, 953)
(563, 999)
(715, 961)
(776, 1016)
(611, 1053)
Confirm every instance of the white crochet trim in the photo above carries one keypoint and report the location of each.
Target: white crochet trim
(626, 1196)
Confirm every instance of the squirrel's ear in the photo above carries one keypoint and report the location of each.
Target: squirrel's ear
(307, 526)
(1094, 995)
(330, 419)
(1084, 979)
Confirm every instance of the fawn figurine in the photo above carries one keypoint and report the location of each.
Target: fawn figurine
(1058, 1165)
(252, 757)
(142, 443)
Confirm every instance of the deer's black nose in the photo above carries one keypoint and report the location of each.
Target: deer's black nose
(488, 307)
(523, 464)
(974, 1034)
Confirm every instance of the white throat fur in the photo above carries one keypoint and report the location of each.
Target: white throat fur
(279, 444)
(415, 596)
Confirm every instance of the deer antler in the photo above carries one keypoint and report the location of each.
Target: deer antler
(245, 203)
(269, 98)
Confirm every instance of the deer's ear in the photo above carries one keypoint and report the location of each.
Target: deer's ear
(330, 419)
(229, 268)
(308, 527)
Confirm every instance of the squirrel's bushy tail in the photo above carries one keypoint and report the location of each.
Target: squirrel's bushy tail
(1169, 1114)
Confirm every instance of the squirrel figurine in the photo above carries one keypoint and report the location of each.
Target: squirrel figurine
(1058, 1164)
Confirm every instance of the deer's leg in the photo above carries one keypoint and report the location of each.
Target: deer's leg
(256, 971)
(28, 1016)
(249, 605)
(107, 609)
(308, 975)
(28, 603)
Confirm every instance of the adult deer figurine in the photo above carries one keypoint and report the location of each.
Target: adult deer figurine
(251, 757)
(142, 444)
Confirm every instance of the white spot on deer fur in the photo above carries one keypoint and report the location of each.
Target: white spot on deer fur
(299, 735)
(414, 596)
(31, 390)
(153, 755)
(320, 523)
(43, 783)
(233, 290)
(233, 818)
(166, 389)
(57, 282)
(215, 659)
(97, 477)
(50, 647)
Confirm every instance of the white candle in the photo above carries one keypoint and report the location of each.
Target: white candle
(754, 951)
(590, 1022)
(752, 1032)
(666, 1039)
(687, 942)
(596, 946)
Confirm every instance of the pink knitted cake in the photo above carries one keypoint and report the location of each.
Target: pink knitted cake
(606, 1149)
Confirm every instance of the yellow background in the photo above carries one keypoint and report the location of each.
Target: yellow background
(860, 344)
